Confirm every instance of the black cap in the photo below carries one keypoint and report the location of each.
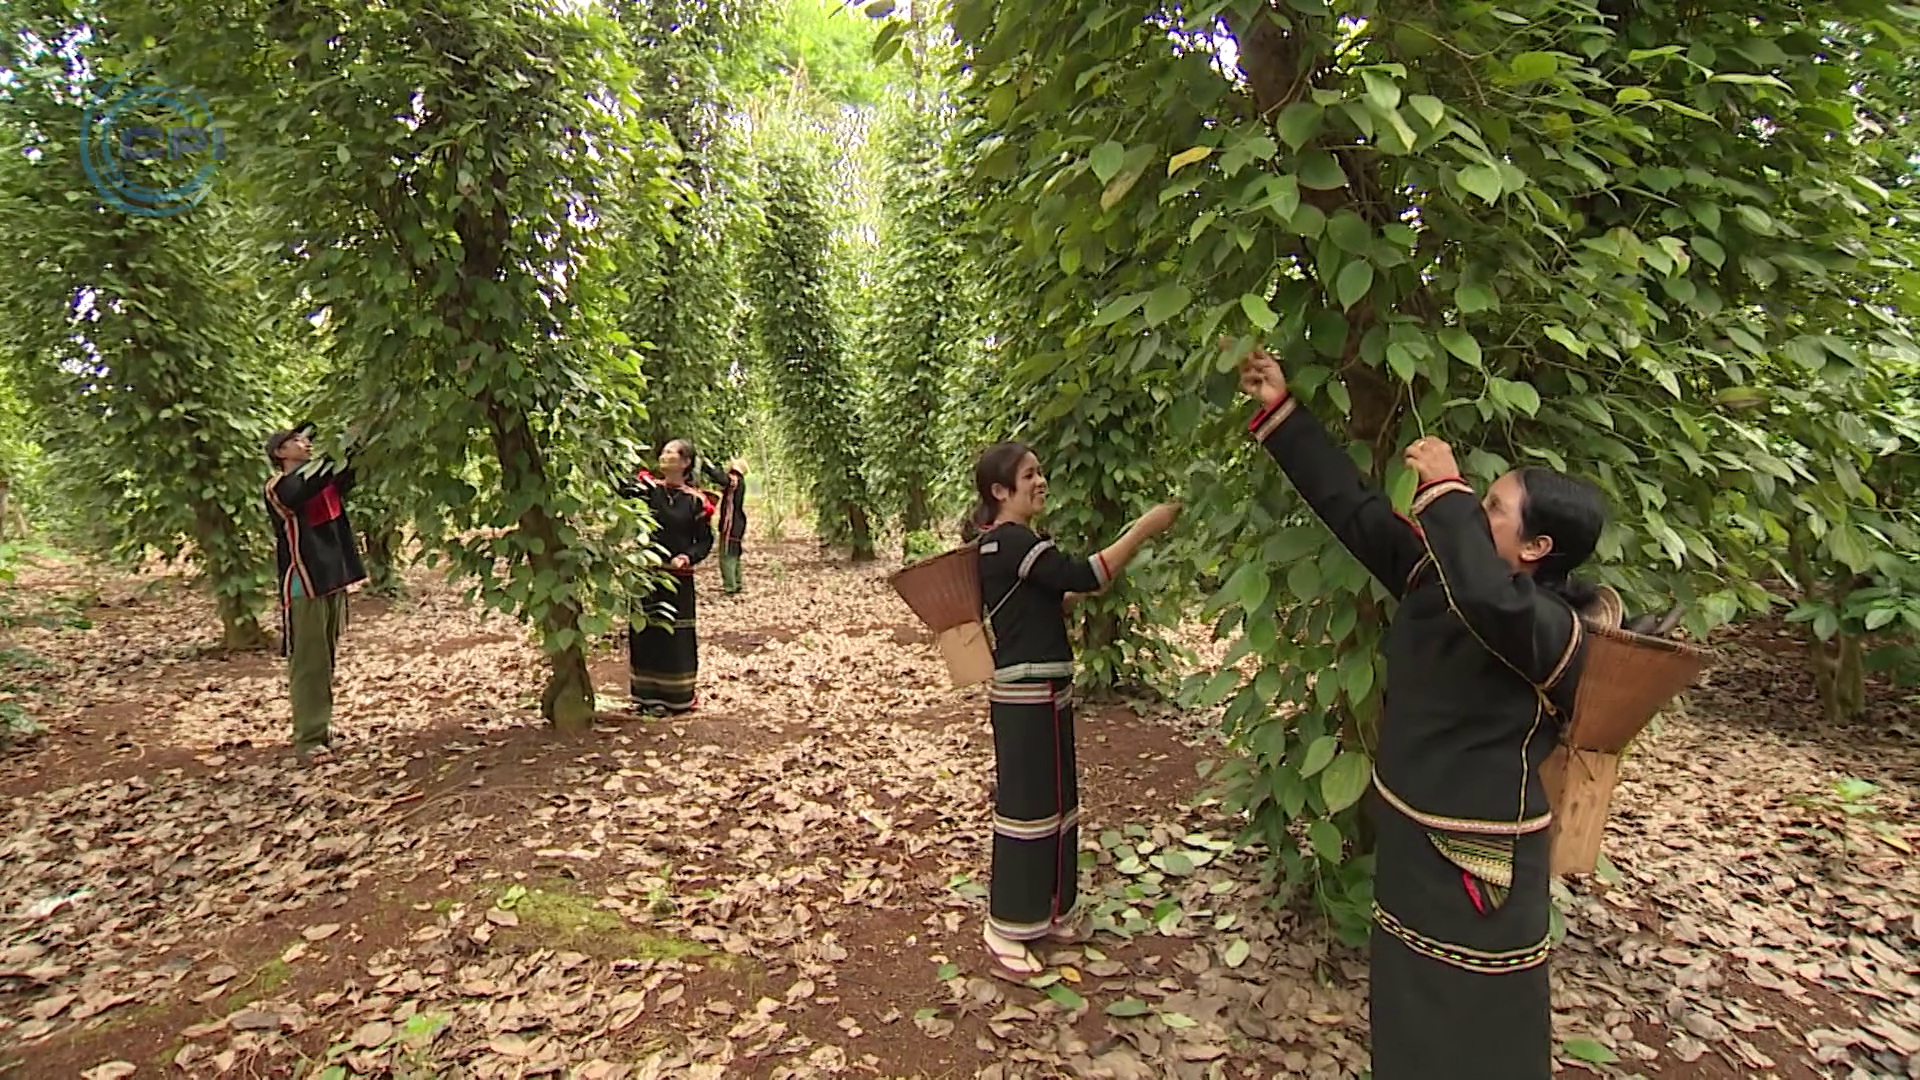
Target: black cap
(275, 440)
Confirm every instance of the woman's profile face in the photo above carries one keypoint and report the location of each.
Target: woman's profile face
(1505, 504)
(1028, 496)
(673, 459)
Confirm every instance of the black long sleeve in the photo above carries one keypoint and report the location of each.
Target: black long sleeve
(1531, 630)
(294, 489)
(1359, 514)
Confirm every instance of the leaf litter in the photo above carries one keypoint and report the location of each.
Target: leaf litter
(788, 883)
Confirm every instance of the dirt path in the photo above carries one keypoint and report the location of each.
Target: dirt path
(789, 884)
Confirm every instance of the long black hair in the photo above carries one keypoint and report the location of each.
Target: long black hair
(998, 464)
(1571, 512)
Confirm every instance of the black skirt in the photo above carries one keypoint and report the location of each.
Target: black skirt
(663, 661)
(1459, 976)
(1036, 808)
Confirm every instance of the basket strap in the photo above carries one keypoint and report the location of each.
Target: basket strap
(1003, 600)
(976, 542)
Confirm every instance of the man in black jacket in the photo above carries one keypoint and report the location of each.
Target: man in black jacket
(317, 559)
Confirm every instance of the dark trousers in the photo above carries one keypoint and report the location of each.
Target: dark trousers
(314, 627)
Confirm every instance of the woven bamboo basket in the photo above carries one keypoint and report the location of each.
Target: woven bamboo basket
(944, 593)
(1628, 678)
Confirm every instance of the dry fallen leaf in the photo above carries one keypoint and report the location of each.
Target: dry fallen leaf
(373, 1034)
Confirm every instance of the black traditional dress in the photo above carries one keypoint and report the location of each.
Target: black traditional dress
(663, 649)
(1024, 580)
(1481, 669)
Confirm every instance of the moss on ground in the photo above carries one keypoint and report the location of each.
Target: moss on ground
(265, 979)
(559, 916)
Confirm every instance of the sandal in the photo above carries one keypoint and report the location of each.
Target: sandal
(1068, 932)
(310, 756)
(1017, 963)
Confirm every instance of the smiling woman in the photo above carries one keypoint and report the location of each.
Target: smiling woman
(1036, 810)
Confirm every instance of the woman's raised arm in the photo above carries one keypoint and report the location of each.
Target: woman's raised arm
(1359, 514)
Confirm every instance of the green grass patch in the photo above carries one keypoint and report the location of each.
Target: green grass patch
(266, 978)
(558, 916)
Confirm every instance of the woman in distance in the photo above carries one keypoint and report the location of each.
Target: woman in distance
(1484, 654)
(663, 646)
(1025, 582)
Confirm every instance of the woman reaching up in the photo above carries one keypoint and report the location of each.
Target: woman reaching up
(663, 644)
(1484, 654)
(1024, 583)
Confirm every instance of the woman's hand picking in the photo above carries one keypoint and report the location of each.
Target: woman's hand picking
(1160, 518)
(1261, 378)
(1431, 459)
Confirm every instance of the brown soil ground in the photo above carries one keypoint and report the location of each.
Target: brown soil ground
(777, 880)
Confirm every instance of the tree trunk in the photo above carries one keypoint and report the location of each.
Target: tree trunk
(4, 507)
(860, 532)
(1840, 676)
(231, 576)
(1838, 672)
(239, 627)
(914, 519)
(567, 702)
(1279, 71)
(383, 577)
(1103, 630)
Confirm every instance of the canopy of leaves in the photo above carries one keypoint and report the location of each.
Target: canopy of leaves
(450, 212)
(826, 45)
(801, 339)
(1640, 244)
(919, 328)
(142, 342)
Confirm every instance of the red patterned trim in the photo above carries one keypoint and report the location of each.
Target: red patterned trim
(290, 524)
(1475, 960)
(1473, 892)
(1269, 419)
(323, 507)
(1261, 416)
(1434, 490)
